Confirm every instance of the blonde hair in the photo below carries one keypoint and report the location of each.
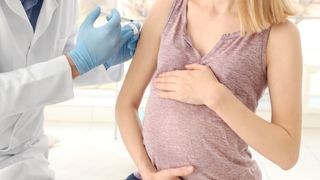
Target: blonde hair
(257, 15)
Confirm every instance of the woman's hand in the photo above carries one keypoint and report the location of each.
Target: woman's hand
(196, 85)
(171, 174)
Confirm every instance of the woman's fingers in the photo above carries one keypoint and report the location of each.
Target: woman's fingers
(195, 67)
(177, 172)
(176, 73)
(172, 79)
(167, 83)
(168, 95)
(169, 87)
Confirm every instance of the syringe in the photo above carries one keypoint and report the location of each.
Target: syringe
(123, 19)
(130, 22)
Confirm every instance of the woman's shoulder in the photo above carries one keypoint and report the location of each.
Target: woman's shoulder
(285, 32)
(164, 3)
(161, 8)
(284, 40)
(158, 15)
(285, 35)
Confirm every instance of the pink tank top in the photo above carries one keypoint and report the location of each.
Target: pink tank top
(178, 134)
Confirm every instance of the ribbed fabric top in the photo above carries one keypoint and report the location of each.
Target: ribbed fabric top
(178, 134)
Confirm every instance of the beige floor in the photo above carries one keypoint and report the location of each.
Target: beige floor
(89, 152)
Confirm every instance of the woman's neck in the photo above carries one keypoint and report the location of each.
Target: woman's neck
(219, 6)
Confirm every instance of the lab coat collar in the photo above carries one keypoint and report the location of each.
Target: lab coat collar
(47, 10)
(16, 7)
(45, 16)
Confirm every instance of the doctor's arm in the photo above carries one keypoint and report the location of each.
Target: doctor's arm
(139, 75)
(51, 81)
(97, 75)
(35, 86)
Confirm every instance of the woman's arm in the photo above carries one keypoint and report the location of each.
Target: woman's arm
(139, 75)
(279, 140)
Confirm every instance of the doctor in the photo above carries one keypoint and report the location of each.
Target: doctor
(38, 62)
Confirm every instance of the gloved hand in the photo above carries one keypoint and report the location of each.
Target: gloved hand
(128, 44)
(96, 45)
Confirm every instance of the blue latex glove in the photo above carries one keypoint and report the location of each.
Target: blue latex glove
(96, 45)
(128, 44)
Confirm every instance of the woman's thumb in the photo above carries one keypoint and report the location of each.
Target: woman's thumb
(177, 172)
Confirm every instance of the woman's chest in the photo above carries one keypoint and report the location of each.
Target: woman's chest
(237, 63)
(230, 57)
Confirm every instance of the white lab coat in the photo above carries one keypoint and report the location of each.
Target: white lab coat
(34, 73)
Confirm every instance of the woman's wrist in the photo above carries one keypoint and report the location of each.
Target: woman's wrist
(216, 95)
(146, 170)
(147, 174)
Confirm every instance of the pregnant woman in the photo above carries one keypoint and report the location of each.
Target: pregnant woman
(209, 62)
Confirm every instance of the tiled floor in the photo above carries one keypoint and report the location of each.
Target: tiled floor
(89, 151)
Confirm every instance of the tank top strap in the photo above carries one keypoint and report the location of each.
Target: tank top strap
(265, 39)
(177, 12)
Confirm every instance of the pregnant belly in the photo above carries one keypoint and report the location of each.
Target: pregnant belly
(177, 134)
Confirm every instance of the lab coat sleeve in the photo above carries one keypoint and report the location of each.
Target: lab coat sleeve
(98, 75)
(35, 86)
